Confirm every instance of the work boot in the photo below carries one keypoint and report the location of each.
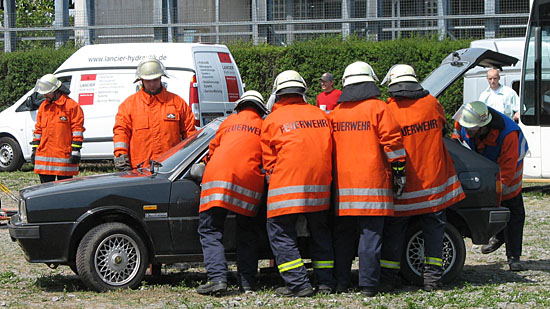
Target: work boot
(341, 288)
(432, 286)
(515, 264)
(212, 288)
(369, 291)
(324, 289)
(492, 246)
(284, 291)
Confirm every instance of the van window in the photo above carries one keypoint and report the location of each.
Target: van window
(34, 100)
(515, 86)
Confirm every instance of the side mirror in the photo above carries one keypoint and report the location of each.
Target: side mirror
(197, 170)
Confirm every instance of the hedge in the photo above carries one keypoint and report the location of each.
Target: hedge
(260, 64)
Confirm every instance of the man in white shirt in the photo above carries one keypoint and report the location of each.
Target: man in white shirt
(502, 98)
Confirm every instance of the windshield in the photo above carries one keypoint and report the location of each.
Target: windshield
(177, 154)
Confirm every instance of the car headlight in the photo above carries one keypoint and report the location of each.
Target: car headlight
(22, 209)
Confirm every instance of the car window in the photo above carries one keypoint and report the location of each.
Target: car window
(441, 77)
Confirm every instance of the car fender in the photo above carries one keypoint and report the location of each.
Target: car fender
(110, 213)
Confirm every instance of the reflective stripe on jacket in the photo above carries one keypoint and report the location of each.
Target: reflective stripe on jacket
(148, 125)
(297, 156)
(505, 145)
(232, 178)
(432, 184)
(58, 124)
(366, 140)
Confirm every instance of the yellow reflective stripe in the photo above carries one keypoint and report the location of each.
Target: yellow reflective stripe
(433, 261)
(76, 146)
(291, 265)
(390, 264)
(323, 264)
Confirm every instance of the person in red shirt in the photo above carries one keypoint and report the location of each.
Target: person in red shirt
(150, 121)
(328, 99)
(233, 181)
(58, 133)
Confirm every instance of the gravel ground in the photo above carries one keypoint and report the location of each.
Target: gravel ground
(485, 282)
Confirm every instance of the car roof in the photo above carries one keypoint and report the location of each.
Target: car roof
(459, 62)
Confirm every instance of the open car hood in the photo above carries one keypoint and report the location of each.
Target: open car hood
(459, 62)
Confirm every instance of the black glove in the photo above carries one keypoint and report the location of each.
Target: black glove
(399, 179)
(122, 163)
(75, 157)
(33, 155)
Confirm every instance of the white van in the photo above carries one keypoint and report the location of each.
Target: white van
(475, 80)
(101, 76)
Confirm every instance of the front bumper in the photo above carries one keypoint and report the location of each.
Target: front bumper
(43, 242)
(484, 223)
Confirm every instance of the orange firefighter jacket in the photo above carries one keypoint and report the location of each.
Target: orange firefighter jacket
(148, 125)
(432, 183)
(366, 140)
(232, 178)
(297, 151)
(58, 125)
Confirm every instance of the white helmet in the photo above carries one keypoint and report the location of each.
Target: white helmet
(254, 97)
(150, 68)
(473, 115)
(288, 82)
(358, 72)
(47, 84)
(400, 73)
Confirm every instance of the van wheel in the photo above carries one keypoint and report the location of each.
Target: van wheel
(11, 158)
(111, 256)
(412, 261)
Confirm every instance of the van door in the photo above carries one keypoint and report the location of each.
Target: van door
(99, 94)
(219, 84)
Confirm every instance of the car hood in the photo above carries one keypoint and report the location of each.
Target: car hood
(459, 62)
(96, 182)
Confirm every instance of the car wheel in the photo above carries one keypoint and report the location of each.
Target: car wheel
(412, 262)
(111, 256)
(11, 157)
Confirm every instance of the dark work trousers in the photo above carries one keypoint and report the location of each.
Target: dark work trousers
(211, 230)
(433, 231)
(49, 178)
(513, 232)
(281, 231)
(346, 229)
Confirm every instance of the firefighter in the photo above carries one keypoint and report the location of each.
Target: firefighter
(499, 139)
(150, 121)
(58, 134)
(297, 150)
(233, 182)
(367, 148)
(432, 184)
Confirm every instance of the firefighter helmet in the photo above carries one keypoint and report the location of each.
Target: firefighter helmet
(254, 97)
(288, 82)
(400, 73)
(150, 68)
(47, 84)
(358, 72)
(474, 115)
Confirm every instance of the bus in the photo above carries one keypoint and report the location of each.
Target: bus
(535, 91)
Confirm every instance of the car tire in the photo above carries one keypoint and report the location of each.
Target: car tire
(412, 261)
(11, 157)
(111, 256)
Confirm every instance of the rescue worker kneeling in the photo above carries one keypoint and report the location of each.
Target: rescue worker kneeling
(297, 150)
(367, 140)
(233, 181)
(432, 184)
